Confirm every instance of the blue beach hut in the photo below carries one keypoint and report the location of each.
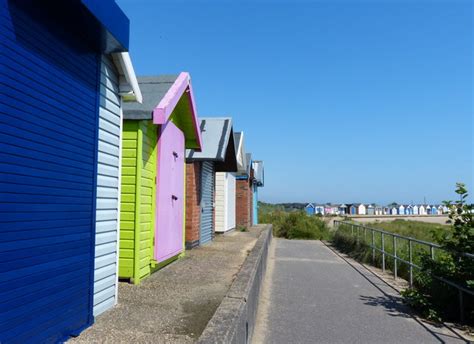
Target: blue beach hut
(64, 75)
(309, 209)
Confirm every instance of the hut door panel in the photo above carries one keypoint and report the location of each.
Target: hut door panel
(207, 202)
(255, 205)
(169, 193)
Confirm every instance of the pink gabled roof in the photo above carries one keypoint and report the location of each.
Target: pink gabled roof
(168, 103)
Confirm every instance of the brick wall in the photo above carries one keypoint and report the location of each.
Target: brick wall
(193, 206)
(243, 202)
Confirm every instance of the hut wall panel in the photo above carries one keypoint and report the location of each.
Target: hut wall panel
(147, 199)
(128, 199)
(207, 202)
(230, 216)
(106, 255)
(220, 216)
(48, 135)
(137, 199)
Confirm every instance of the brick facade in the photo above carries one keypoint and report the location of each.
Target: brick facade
(193, 206)
(243, 200)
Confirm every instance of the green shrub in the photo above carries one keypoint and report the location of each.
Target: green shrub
(432, 232)
(453, 266)
(296, 225)
(241, 228)
(432, 297)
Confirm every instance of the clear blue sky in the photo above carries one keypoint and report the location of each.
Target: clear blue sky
(345, 101)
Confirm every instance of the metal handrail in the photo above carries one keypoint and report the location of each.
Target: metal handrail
(396, 258)
(419, 241)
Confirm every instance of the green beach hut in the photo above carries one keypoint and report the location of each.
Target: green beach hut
(155, 136)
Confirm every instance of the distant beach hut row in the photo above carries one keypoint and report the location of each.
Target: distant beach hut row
(374, 209)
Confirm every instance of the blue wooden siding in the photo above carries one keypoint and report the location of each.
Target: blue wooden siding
(255, 205)
(105, 270)
(207, 202)
(48, 152)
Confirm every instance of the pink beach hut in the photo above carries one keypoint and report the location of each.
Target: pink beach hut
(156, 134)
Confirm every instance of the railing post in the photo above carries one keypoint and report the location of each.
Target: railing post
(383, 253)
(357, 227)
(395, 262)
(461, 307)
(373, 247)
(352, 229)
(432, 252)
(410, 257)
(365, 234)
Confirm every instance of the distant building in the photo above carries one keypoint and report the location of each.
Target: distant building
(401, 209)
(362, 209)
(422, 210)
(310, 210)
(415, 210)
(319, 209)
(394, 210)
(370, 209)
(353, 209)
(342, 209)
(379, 210)
(331, 209)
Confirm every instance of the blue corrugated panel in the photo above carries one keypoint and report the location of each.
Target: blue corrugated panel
(255, 205)
(207, 202)
(48, 144)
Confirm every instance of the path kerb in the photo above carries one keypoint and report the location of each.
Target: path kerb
(234, 320)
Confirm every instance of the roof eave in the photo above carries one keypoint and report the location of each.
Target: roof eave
(164, 109)
(129, 89)
(229, 163)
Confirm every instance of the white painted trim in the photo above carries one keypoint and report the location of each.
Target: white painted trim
(128, 83)
(240, 156)
(226, 201)
(118, 205)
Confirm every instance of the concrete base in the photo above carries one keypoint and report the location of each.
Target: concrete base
(191, 244)
(225, 232)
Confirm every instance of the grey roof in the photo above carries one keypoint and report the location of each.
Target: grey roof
(237, 136)
(248, 162)
(259, 173)
(153, 90)
(217, 144)
(247, 166)
(241, 164)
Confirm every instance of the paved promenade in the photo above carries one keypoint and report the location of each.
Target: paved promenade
(312, 295)
(174, 304)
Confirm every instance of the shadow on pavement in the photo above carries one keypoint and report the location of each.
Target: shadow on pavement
(394, 304)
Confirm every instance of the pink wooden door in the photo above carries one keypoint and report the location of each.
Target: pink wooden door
(169, 193)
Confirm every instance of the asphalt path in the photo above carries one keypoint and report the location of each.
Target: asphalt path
(312, 295)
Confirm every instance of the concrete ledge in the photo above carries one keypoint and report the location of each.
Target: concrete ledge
(234, 319)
